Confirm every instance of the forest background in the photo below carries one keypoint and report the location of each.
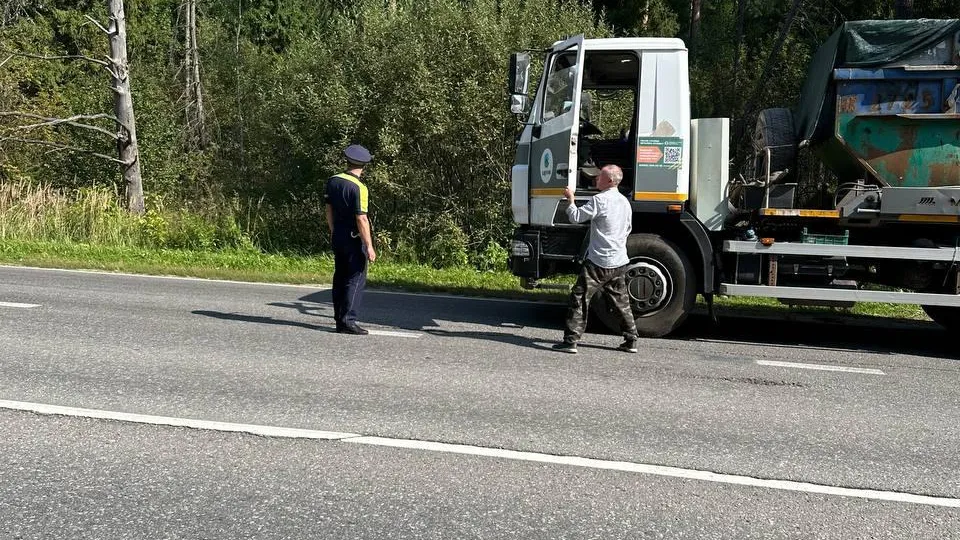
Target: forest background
(243, 108)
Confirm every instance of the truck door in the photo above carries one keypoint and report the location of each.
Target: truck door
(553, 144)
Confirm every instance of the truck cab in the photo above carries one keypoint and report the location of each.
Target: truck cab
(619, 101)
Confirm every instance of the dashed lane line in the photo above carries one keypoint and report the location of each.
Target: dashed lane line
(820, 367)
(393, 333)
(18, 305)
(498, 453)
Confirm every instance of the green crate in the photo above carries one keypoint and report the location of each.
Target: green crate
(837, 239)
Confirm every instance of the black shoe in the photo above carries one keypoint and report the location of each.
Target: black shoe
(354, 329)
(629, 346)
(566, 346)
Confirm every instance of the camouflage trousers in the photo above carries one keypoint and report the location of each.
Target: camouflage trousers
(609, 282)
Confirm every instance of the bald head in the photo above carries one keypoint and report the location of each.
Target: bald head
(613, 173)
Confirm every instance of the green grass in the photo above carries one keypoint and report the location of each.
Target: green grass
(258, 267)
(249, 265)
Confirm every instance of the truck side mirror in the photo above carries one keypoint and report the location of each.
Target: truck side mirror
(519, 77)
(519, 104)
(519, 73)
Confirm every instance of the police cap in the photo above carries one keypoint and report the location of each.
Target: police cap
(357, 154)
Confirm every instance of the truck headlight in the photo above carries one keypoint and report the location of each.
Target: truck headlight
(519, 248)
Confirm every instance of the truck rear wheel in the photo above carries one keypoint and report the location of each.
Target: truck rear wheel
(947, 317)
(661, 283)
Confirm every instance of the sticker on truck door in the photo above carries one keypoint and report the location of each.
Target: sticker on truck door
(660, 152)
(546, 166)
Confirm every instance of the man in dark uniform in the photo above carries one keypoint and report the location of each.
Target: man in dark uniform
(346, 207)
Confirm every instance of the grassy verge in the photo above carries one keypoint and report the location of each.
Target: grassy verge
(258, 267)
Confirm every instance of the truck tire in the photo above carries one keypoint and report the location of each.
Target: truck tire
(947, 317)
(662, 287)
(775, 129)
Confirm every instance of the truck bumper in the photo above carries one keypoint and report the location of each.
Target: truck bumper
(538, 253)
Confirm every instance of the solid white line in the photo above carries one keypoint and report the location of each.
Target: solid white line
(821, 367)
(575, 461)
(476, 298)
(322, 287)
(395, 334)
(266, 431)
(659, 470)
(16, 305)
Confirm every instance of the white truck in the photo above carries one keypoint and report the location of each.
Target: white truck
(887, 231)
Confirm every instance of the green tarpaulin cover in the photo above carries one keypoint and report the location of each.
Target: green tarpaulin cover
(860, 44)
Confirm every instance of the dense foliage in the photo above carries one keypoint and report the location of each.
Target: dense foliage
(288, 83)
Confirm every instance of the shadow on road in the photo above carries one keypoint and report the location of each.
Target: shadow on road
(424, 313)
(260, 320)
(836, 332)
(421, 312)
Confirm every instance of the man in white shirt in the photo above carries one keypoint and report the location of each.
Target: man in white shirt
(610, 217)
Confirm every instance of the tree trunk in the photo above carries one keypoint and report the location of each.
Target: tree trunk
(123, 108)
(195, 114)
(765, 75)
(645, 21)
(188, 74)
(694, 26)
(904, 9)
(738, 44)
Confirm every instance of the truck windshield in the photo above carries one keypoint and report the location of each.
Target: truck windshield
(560, 83)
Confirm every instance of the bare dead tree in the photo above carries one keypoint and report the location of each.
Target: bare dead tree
(123, 118)
(197, 136)
(123, 106)
(738, 45)
(694, 26)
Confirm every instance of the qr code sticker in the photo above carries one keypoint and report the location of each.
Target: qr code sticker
(671, 155)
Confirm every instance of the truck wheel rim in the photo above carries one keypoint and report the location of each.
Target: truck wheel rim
(649, 286)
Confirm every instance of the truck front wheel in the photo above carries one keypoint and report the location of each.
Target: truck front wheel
(661, 283)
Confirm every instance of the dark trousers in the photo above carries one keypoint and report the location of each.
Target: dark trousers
(349, 280)
(607, 281)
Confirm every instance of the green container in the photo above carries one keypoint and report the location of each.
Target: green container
(836, 239)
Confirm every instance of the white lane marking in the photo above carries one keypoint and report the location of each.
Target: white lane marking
(315, 287)
(476, 298)
(821, 367)
(395, 334)
(17, 305)
(322, 287)
(660, 470)
(267, 431)
(575, 461)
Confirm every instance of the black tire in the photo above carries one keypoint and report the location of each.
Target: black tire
(775, 129)
(651, 257)
(947, 317)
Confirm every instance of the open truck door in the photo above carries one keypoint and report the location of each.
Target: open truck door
(554, 128)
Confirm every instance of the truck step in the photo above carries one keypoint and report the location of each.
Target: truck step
(840, 295)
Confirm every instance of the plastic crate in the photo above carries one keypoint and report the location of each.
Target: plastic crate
(837, 239)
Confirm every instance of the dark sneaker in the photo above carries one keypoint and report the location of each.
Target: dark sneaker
(629, 345)
(354, 329)
(566, 346)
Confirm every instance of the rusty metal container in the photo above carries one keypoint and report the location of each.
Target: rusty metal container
(900, 124)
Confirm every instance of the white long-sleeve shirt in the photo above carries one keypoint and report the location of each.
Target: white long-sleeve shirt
(610, 219)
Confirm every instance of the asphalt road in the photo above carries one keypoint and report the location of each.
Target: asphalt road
(748, 399)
